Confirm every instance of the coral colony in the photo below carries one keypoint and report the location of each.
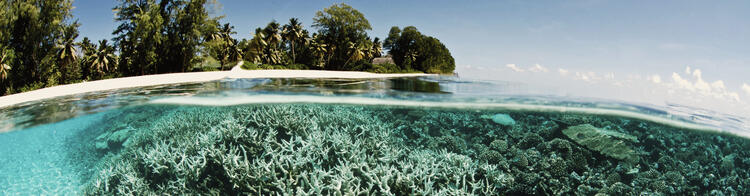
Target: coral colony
(317, 149)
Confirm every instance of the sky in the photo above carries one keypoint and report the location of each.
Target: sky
(684, 52)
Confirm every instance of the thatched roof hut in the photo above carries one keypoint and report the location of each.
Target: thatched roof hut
(382, 60)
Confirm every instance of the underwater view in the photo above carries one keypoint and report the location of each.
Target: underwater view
(388, 97)
(397, 136)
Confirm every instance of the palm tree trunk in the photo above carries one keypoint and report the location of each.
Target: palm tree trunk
(222, 64)
(294, 60)
(63, 77)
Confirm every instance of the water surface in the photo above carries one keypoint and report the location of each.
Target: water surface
(435, 135)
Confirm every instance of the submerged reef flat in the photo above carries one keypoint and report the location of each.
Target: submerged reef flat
(329, 149)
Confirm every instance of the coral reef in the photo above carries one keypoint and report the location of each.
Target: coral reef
(605, 142)
(319, 149)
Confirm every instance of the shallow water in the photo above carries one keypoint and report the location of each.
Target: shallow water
(400, 136)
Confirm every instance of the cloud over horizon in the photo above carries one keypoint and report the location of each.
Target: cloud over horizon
(746, 88)
(514, 67)
(687, 85)
(538, 68)
(715, 89)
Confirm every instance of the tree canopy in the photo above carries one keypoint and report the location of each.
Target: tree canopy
(161, 37)
(338, 26)
(33, 37)
(412, 50)
(38, 46)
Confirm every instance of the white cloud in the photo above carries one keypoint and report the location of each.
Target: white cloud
(538, 68)
(687, 70)
(715, 89)
(655, 78)
(514, 67)
(610, 76)
(682, 83)
(587, 76)
(563, 72)
(718, 85)
(746, 88)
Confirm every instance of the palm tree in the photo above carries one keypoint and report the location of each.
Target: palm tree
(234, 52)
(411, 57)
(293, 33)
(67, 53)
(226, 43)
(319, 51)
(217, 35)
(88, 49)
(329, 54)
(356, 52)
(273, 38)
(86, 46)
(369, 50)
(4, 67)
(377, 48)
(272, 32)
(103, 58)
(258, 45)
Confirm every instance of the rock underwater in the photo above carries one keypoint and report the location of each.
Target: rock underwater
(608, 143)
(120, 138)
(503, 119)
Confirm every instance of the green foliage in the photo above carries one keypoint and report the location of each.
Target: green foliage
(343, 28)
(412, 50)
(207, 63)
(87, 49)
(38, 48)
(5, 57)
(220, 45)
(434, 57)
(385, 68)
(32, 34)
(101, 61)
(392, 38)
(161, 37)
(272, 54)
(293, 33)
(252, 66)
(67, 55)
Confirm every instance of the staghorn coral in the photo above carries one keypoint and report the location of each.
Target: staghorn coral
(292, 149)
(316, 149)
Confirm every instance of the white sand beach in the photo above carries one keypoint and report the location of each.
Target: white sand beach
(176, 78)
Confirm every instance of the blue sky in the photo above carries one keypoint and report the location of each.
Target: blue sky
(640, 44)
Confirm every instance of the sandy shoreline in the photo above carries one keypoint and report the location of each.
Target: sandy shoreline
(175, 78)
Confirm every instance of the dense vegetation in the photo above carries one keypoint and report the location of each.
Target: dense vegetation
(38, 46)
(412, 50)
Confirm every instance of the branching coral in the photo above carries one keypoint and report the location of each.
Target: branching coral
(317, 149)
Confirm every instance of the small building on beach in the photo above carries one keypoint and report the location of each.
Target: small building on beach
(382, 60)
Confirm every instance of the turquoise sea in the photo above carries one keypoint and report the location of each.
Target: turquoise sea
(398, 136)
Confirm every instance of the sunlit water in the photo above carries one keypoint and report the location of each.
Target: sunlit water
(435, 135)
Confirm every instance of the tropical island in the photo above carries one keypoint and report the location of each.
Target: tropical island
(38, 46)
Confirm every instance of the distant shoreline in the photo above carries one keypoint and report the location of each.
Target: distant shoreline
(176, 78)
